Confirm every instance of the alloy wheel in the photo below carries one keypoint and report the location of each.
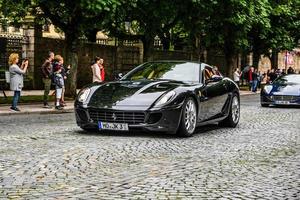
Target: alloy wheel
(235, 109)
(190, 116)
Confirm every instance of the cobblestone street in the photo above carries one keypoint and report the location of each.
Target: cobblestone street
(49, 157)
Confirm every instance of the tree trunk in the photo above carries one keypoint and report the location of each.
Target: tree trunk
(256, 57)
(231, 59)
(166, 41)
(71, 42)
(148, 47)
(92, 35)
(274, 59)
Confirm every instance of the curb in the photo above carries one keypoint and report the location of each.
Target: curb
(64, 111)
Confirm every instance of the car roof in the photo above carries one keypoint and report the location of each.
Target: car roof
(180, 61)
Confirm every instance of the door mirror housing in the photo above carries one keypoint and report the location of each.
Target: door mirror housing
(118, 76)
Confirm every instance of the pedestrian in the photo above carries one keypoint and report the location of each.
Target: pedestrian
(59, 60)
(58, 81)
(102, 70)
(96, 70)
(16, 78)
(236, 76)
(290, 70)
(250, 78)
(254, 80)
(260, 78)
(272, 76)
(47, 72)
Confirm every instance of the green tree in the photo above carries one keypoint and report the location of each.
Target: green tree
(228, 25)
(147, 19)
(74, 18)
(279, 30)
(13, 11)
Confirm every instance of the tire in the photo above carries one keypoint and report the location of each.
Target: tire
(264, 105)
(188, 119)
(233, 118)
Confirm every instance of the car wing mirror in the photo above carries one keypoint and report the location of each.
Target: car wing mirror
(119, 76)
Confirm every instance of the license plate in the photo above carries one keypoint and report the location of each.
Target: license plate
(113, 126)
(282, 102)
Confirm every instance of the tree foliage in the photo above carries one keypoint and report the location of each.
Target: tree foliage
(234, 26)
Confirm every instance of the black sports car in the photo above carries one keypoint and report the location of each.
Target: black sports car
(164, 96)
(285, 90)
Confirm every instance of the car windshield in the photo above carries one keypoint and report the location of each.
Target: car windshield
(288, 79)
(179, 71)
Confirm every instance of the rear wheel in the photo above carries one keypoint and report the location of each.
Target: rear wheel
(188, 119)
(234, 114)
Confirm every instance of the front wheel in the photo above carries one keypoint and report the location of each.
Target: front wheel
(188, 119)
(234, 114)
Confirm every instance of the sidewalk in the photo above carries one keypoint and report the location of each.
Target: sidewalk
(38, 107)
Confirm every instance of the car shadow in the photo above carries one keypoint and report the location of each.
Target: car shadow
(199, 131)
(284, 106)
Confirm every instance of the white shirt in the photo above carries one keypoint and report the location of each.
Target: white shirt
(96, 73)
(236, 76)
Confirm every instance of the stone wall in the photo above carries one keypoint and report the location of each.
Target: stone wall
(116, 59)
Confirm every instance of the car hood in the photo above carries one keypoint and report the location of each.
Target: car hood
(133, 94)
(287, 89)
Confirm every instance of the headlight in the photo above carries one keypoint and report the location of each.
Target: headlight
(268, 89)
(83, 94)
(167, 97)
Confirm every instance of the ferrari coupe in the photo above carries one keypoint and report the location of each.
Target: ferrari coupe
(164, 96)
(285, 90)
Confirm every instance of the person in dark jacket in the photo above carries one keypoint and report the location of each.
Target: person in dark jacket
(47, 70)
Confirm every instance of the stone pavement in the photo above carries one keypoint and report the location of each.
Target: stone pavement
(38, 107)
(49, 157)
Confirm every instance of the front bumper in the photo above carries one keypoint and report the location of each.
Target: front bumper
(280, 100)
(158, 120)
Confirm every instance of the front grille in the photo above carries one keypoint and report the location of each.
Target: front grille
(117, 116)
(284, 98)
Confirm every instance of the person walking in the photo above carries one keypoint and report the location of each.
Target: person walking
(47, 72)
(59, 61)
(250, 78)
(96, 70)
(58, 81)
(102, 70)
(236, 76)
(254, 80)
(272, 76)
(16, 78)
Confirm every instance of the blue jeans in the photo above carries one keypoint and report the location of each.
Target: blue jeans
(254, 86)
(16, 98)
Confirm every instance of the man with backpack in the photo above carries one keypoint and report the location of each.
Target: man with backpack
(47, 72)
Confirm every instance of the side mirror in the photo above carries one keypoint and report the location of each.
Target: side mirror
(118, 76)
(214, 78)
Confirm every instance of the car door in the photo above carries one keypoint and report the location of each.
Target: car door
(213, 94)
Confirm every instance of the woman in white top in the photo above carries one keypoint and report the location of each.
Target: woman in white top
(236, 76)
(96, 70)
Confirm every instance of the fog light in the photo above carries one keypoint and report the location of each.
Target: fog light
(154, 118)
